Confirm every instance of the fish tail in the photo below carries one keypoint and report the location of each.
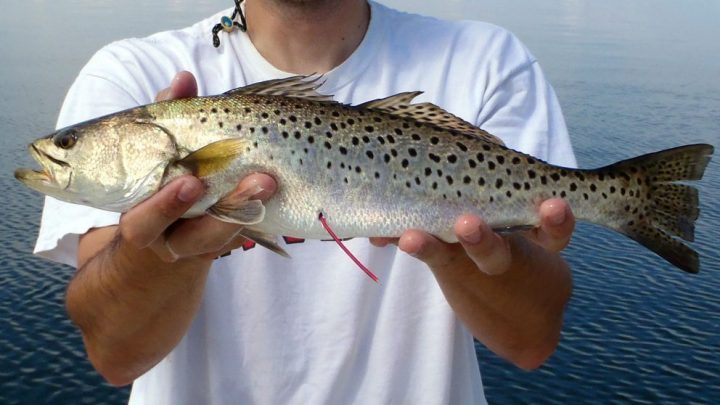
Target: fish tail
(660, 211)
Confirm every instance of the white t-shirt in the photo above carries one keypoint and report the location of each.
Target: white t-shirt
(315, 329)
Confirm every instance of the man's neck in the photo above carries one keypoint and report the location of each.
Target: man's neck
(306, 36)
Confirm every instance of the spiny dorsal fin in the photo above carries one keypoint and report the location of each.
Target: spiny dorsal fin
(304, 87)
(388, 103)
(399, 105)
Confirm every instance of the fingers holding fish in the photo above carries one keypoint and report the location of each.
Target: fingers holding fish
(145, 223)
(183, 85)
(489, 251)
(557, 223)
(209, 236)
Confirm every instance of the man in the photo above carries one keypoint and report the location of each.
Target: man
(155, 306)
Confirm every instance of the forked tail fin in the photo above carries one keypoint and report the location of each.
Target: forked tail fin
(667, 208)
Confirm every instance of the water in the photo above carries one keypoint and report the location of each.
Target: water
(632, 76)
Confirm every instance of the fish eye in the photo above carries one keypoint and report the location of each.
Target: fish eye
(65, 139)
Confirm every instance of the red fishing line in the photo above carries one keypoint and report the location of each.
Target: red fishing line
(345, 249)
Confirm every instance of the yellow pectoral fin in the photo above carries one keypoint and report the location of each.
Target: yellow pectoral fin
(214, 157)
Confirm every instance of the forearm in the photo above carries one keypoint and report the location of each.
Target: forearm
(517, 314)
(131, 307)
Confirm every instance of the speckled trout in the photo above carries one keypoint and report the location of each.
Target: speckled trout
(374, 169)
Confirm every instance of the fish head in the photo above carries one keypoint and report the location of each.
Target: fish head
(111, 163)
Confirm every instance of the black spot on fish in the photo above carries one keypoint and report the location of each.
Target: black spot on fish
(292, 118)
(386, 158)
(343, 150)
(247, 110)
(308, 124)
(369, 128)
(333, 126)
(612, 189)
(311, 139)
(381, 140)
(461, 146)
(327, 145)
(377, 175)
(516, 160)
(252, 130)
(543, 179)
(329, 164)
(428, 171)
(472, 164)
(491, 165)
(398, 131)
(517, 186)
(203, 120)
(405, 163)
(390, 138)
(555, 176)
(370, 154)
(452, 158)
(264, 115)
(481, 181)
(220, 124)
(573, 186)
(355, 140)
(335, 114)
(500, 159)
(498, 183)
(213, 110)
(531, 174)
(317, 121)
(366, 139)
(285, 134)
(412, 152)
(563, 194)
(350, 121)
(415, 137)
(435, 158)
(467, 179)
(593, 187)
(480, 157)
(282, 121)
(526, 185)
(486, 147)
(434, 185)
(297, 134)
(434, 140)
(227, 110)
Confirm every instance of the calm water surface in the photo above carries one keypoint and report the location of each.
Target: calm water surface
(632, 76)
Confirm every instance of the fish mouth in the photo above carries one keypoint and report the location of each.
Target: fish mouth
(45, 177)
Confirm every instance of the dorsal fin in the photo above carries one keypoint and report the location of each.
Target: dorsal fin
(304, 87)
(428, 113)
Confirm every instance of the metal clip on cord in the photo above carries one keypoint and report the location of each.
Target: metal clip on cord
(228, 24)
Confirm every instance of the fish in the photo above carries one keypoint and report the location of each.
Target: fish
(372, 169)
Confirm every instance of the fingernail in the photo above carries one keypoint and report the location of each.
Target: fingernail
(189, 192)
(472, 233)
(557, 218)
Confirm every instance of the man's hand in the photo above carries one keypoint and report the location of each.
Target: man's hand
(139, 283)
(510, 290)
